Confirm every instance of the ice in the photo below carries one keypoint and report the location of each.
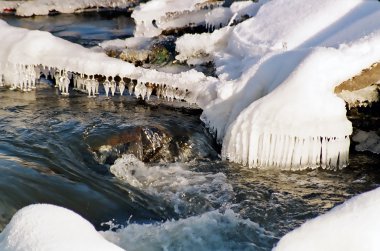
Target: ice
(367, 141)
(355, 225)
(22, 49)
(45, 227)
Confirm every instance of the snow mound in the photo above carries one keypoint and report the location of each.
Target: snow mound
(275, 106)
(353, 226)
(46, 227)
(367, 141)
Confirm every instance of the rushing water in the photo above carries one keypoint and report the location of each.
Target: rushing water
(47, 155)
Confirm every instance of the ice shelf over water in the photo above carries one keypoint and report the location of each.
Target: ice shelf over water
(273, 103)
(24, 54)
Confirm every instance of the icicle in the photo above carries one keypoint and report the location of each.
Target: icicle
(121, 87)
(87, 83)
(113, 86)
(159, 91)
(149, 90)
(107, 86)
(130, 88)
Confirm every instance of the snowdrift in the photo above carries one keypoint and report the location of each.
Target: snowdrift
(24, 53)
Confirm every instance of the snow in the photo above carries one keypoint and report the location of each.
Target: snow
(367, 141)
(43, 7)
(156, 16)
(45, 227)
(361, 97)
(355, 225)
(275, 106)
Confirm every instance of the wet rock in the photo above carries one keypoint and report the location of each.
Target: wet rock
(147, 143)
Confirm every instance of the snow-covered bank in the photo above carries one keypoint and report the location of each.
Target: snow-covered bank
(46, 227)
(44, 7)
(355, 225)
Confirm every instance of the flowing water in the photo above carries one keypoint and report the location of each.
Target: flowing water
(184, 199)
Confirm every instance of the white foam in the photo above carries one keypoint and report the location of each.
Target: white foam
(209, 231)
(187, 191)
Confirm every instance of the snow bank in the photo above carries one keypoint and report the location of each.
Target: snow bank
(46, 227)
(155, 16)
(21, 50)
(367, 141)
(353, 226)
(44, 7)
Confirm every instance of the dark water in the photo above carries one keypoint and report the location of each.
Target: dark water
(88, 28)
(46, 157)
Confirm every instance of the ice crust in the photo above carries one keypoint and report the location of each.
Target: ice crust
(355, 225)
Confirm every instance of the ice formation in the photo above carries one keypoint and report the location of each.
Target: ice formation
(46, 227)
(367, 141)
(276, 106)
(156, 16)
(355, 225)
(25, 54)
(44, 7)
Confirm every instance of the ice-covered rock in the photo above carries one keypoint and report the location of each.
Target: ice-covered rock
(45, 227)
(355, 225)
